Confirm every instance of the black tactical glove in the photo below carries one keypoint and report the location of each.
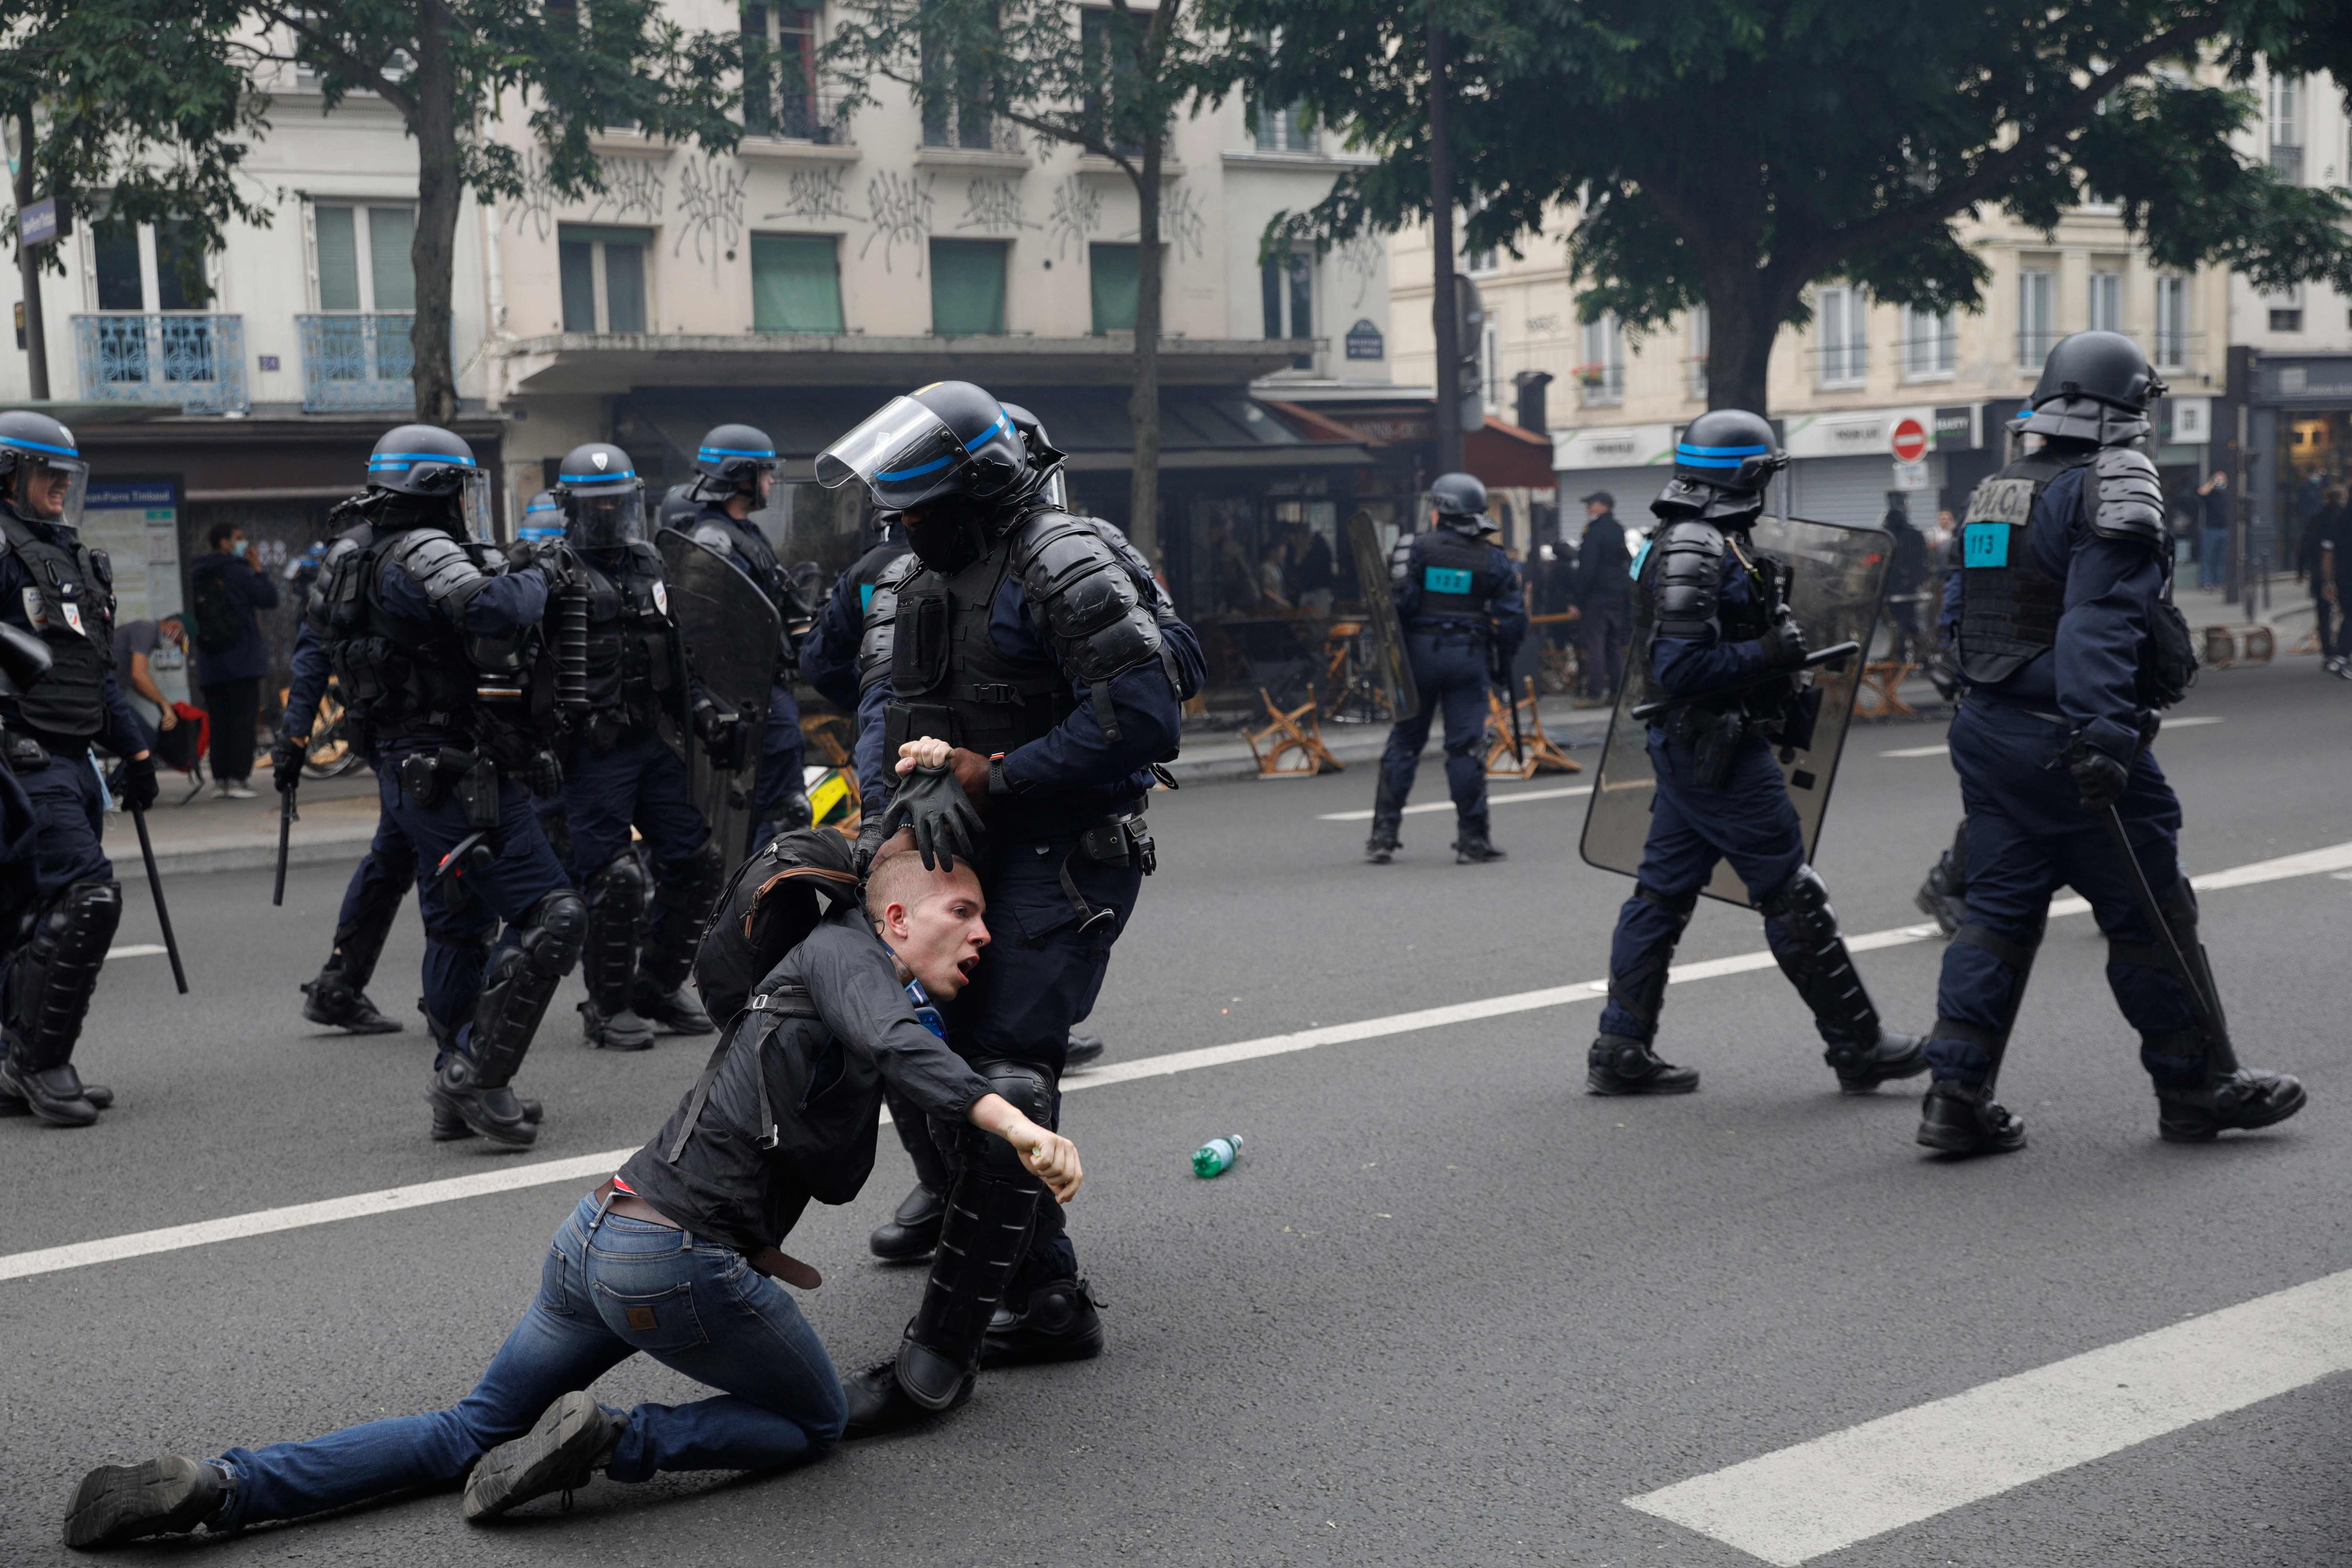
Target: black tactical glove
(139, 781)
(1943, 676)
(1783, 647)
(2098, 777)
(870, 834)
(946, 823)
(286, 761)
(725, 737)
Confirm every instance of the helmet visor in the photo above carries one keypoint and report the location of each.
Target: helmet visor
(474, 504)
(903, 454)
(50, 489)
(607, 520)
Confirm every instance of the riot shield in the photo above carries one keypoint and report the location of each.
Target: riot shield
(733, 641)
(1835, 575)
(1390, 670)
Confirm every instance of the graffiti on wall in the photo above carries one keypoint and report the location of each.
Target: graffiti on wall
(709, 208)
(901, 206)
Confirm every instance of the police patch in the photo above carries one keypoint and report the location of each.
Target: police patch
(35, 614)
(661, 597)
(1444, 580)
(73, 614)
(2002, 501)
(1985, 544)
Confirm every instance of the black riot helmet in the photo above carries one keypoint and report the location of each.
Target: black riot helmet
(1044, 457)
(41, 470)
(947, 452)
(1460, 502)
(542, 518)
(604, 500)
(1723, 461)
(678, 507)
(431, 465)
(2095, 387)
(736, 459)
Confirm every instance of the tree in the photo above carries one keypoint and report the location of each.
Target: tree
(448, 65)
(1732, 152)
(1109, 82)
(132, 105)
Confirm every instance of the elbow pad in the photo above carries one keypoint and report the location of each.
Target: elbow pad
(877, 641)
(1084, 598)
(2129, 502)
(443, 567)
(1689, 559)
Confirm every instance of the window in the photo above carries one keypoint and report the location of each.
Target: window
(1840, 324)
(2171, 320)
(2286, 309)
(1287, 292)
(603, 277)
(2106, 304)
(1290, 129)
(1112, 279)
(362, 255)
(1931, 345)
(2037, 291)
(963, 120)
(1107, 42)
(967, 287)
(1701, 327)
(1603, 374)
(135, 262)
(796, 283)
(2285, 118)
(780, 76)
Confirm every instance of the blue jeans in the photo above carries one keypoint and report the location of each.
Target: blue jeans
(2213, 559)
(711, 1317)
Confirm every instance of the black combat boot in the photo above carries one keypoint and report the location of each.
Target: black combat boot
(1083, 1050)
(13, 1104)
(912, 1233)
(620, 1031)
(333, 1001)
(1964, 1118)
(1388, 819)
(117, 1504)
(1619, 1064)
(1058, 1322)
(516, 989)
(2241, 1098)
(877, 1404)
(677, 1010)
(52, 978)
(448, 1125)
(1473, 848)
(573, 1441)
(1806, 942)
(1862, 1068)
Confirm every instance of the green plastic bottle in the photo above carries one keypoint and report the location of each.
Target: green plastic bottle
(1215, 1157)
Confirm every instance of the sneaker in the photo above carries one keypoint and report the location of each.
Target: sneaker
(116, 1504)
(228, 791)
(572, 1442)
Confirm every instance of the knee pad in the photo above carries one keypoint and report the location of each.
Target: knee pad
(1681, 907)
(619, 888)
(1029, 1089)
(1803, 903)
(555, 928)
(693, 883)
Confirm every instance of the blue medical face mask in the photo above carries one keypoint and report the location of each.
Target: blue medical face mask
(926, 1009)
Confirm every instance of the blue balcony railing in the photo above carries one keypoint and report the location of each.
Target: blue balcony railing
(356, 361)
(195, 361)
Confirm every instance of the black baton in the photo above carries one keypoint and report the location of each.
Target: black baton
(286, 815)
(155, 886)
(1833, 654)
(2209, 1015)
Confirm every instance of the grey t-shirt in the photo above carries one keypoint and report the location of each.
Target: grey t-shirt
(167, 662)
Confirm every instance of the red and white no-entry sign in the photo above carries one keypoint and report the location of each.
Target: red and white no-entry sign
(1909, 440)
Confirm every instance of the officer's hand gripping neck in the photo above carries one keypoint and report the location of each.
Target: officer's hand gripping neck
(945, 823)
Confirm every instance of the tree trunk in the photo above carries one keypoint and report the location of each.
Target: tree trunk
(1143, 403)
(1447, 395)
(28, 264)
(440, 187)
(1745, 307)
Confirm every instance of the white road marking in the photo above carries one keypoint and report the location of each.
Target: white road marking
(1938, 751)
(1571, 791)
(138, 950)
(1802, 1502)
(546, 1173)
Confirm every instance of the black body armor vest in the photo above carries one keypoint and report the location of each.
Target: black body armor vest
(71, 607)
(2009, 610)
(635, 666)
(947, 679)
(400, 677)
(1458, 580)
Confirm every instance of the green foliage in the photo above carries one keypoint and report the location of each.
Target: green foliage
(138, 104)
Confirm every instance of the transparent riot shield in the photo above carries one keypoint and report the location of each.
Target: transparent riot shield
(1389, 669)
(734, 644)
(1835, 581)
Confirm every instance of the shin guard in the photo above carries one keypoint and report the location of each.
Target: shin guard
(53, 976)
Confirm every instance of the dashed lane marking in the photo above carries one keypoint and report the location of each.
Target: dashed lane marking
(548, 1172)
(1805, 1501)
(1940, 749)
(1569, 792)
(138, 950)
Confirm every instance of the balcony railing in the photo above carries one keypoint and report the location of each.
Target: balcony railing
(2286, 161)
(778, 101)
(193, 359)
(356, 361)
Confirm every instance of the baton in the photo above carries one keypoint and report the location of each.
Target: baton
(1830, 655)
(155, 886)
(2207, 1011)
(286, 815)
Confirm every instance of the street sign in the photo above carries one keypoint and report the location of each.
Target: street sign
(1909, 440)
(1911, 477)
(38, 224)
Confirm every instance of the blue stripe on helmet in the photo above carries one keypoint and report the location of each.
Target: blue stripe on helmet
(1691, 462)
(1689, 450)
(591, 478)
(737, 452)
(404, 459)
(915, 473)
(32, 446)
(1004, 422)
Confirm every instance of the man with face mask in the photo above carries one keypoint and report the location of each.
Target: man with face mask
(1055, 668)
(625, 764)
(56, 588)
(736, 480)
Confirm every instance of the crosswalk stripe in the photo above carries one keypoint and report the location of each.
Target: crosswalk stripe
(545, 1173)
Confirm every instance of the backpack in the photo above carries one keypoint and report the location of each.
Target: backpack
(217, 630)
(775, 899)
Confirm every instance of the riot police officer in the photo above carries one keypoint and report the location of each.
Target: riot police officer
(446, 679)
(61, 591)
(1055, 667)
(542, 519)
(737, 467)
(625, 764)
(1457, 597)
(1720, 635)
(2069, 647)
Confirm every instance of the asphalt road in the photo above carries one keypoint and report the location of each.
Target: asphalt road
(1448, 1308)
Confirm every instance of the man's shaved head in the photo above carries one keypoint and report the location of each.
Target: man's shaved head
(931, 920)
(900, 877)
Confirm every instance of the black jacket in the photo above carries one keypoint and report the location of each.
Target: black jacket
(824, 1080)
(1603, 574)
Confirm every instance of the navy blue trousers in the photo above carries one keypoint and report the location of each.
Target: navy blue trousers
(459, 920)
(67, 808)
(641, 782)
(1040, 976)
(1449, 670)
(371, 899)
(2029, 834)
(1747, 820)
(778, 775)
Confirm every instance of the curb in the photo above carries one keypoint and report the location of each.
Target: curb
(254, 856)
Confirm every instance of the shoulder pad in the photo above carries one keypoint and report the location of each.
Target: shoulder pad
(1689, 576)
(343, 545)
(644, 552)
(1147, 586)
(877, 639)
(714, 536)
(1087, 604)
(2129, 497)
(441, 566)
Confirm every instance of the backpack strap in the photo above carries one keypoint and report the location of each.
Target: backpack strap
(786, 1001)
